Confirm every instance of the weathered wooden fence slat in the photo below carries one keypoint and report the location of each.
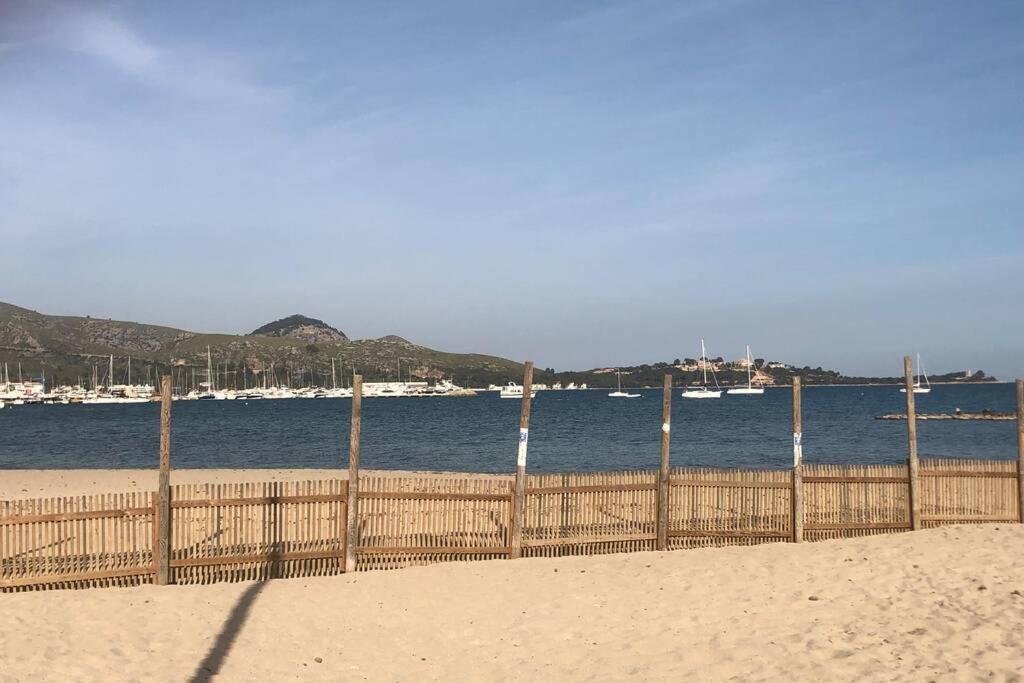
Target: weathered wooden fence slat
(427, 549)
(812, 526)
(69, 516)
(586, 540)
(729, 483)
(595, 488)
(262, 557)
(968, 473)
(433, 495)
(856, 480)
(264, 500)
(727, 533)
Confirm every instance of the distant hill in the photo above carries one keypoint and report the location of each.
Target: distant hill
(301, 327)
(65, 348)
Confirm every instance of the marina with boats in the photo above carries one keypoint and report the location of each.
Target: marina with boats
(102, 388)
(108, 386)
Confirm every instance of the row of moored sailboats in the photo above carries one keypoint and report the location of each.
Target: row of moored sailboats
(704, 390)
(752, 388)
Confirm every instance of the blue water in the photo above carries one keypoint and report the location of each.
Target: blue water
(569, 431)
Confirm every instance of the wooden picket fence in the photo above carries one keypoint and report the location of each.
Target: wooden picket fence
(233, 532)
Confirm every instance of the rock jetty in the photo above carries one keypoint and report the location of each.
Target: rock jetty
(985, 414)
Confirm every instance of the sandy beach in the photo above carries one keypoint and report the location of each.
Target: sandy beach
(941, 603)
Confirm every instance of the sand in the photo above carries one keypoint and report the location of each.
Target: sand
(938, 604)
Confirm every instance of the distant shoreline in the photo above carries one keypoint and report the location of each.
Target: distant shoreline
(900, 384)
(869, 384)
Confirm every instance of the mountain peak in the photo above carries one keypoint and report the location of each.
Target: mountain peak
(300, 327)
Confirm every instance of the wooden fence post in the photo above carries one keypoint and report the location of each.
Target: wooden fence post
(663, 471)
(1020, 448)
(798, 465)
(352, 503)
(913, 466)
(519, 499)
(162, 549)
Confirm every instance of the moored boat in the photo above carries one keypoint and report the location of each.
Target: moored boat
(918, 389)
(620, 393)
(703, 391)
(513, 390)
(750, 389)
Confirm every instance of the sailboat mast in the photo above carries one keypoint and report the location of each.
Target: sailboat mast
(209, 370)
(110, 377)
(704, 362)
(749, 363)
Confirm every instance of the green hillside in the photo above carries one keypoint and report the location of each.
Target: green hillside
(65, 348)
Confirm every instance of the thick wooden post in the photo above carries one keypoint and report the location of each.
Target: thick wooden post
(352, 504)
(519, 497)
(162, 549)
(798, 465)
(1020, 447)
(913, 466)
(663, 471)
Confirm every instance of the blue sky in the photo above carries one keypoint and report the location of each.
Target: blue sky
(582, 184)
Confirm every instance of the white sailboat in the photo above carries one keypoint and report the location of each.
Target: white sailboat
(918, 389)
(750, 389)
(513, 390)
(620, 393)
(703, 391)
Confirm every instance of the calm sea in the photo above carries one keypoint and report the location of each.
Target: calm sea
(570, 431)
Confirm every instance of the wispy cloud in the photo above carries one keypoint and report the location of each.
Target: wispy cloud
(112, 41)
(109, 39)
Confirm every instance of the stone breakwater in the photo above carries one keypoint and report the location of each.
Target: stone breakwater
(983, 415)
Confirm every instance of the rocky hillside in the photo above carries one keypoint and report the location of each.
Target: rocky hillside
(301, 327)
(66, 348)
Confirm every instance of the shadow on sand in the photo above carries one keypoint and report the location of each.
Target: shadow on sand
(210, 666)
